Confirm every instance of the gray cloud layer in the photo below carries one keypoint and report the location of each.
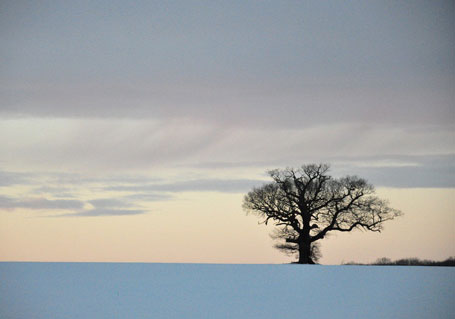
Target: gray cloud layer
(253, 105)
(115, 91)
(238, 63)
(235, 39)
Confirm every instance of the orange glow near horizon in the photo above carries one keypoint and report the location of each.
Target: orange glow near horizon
(212, 228)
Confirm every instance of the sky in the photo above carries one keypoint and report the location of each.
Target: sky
(132, 131)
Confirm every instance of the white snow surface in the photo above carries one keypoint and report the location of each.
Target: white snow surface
(125, 290)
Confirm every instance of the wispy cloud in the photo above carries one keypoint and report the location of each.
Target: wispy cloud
(104, 212)
(13, 178)
(196, 185)
(40, 203)
(403, 171)
(73, 207)
(149, 196)
(102, 203)
(108, 207)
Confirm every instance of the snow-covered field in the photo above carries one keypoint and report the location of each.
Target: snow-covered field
(122, 290)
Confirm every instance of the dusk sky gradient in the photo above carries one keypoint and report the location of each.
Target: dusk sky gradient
(131, 131)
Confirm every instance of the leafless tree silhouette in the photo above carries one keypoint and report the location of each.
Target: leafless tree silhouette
(306, 204)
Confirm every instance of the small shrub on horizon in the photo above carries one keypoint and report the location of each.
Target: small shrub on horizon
(384, 261)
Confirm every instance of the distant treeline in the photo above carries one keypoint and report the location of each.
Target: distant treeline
(408, 262)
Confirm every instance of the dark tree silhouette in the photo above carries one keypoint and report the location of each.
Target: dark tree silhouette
(306, 204)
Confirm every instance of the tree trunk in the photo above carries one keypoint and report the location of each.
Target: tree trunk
(305, 252)
(304, 238)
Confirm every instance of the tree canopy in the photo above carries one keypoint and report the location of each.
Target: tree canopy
(306, 204)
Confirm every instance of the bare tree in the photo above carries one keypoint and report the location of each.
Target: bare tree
(306, 204)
